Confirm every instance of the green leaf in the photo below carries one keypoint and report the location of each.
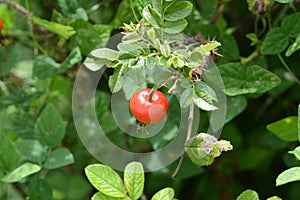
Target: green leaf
(116, 81)
(8, 153)
(284, 1)
(296, 152)
(39, 189)
(290, 25)
(203, 148)
(178, 10)
(47, 67)
(134, 179)
(275, 42)
(152, 16)
(63, 31)
(287, 176)
(299, 122)
(21, 172)
(274, 198)
(105, 53)
(32, 150)
(158, 5)
(285, 129)
(186, 98)
(58, 158)
(106, 180)
(253, 79)
(100, 196)
(248, 195)
(141, 4)
(293, 47)
(201, 103)
(235, 106)
(164, 194)
(49, 126)
(210, 46)
(174, 27)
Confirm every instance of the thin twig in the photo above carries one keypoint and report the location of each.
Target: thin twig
(288, 68)
(189, 133)
(17, 6)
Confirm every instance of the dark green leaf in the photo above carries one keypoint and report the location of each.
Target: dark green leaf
(186, 98)
(248, 195)
(116, 81)
(164, 194)
(49, 127)
(175, 27)
(290, 25)
(58, 158)
(134, 179)
(21, 172)
(285, 129)
(32, 150)
(276, 41)
(235, 106)
(253, 79)
(8, 153)
(299, 122)
(287, 176)
(39, 189)
(106, 180)
(178, 10)
(73, 58)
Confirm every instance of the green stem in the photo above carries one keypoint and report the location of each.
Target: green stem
(288, 68)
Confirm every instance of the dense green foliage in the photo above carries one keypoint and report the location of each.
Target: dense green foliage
(254, 44)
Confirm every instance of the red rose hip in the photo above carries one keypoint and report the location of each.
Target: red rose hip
(146, 110)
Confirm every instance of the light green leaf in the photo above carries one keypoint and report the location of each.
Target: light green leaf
(287, 176)
(164, 194)
(284, 1)
(134, 180)
(186, 98)
(158, 5)
(202, 104)
(275, 42)
(165, 49)
(210, 46)
(100, 196)
(8, 154)
(285, 129)
(296, 152)
(95, 64)
(58, 158)
(253, 79)
(105, 53)
(235, 106)
(248, 195)
(21, 172)
(293, 47)
(290, 25)
(116, 81)
(141, 4)
(274, 198)
(32, 150)
(178, 10)
(152, 16)
(175, 27)
(203, 148)
(106, 180)
(49, 126)
(39, 189)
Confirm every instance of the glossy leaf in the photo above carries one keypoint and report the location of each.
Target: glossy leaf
(8, 153)
(285, 129)
(248, 195)
(178, 10)
(253, 79)
(106, 180)
(58, 158)
(40, 189)
(134, 180)
(275, 42)
(32, 150)
(176, 27)
(296, 152)
(21, 172)
(287, 176)
(49, 126)
(164, 194)
(293, 47)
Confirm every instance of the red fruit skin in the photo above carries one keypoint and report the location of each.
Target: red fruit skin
(1, 24)
(149, 112)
